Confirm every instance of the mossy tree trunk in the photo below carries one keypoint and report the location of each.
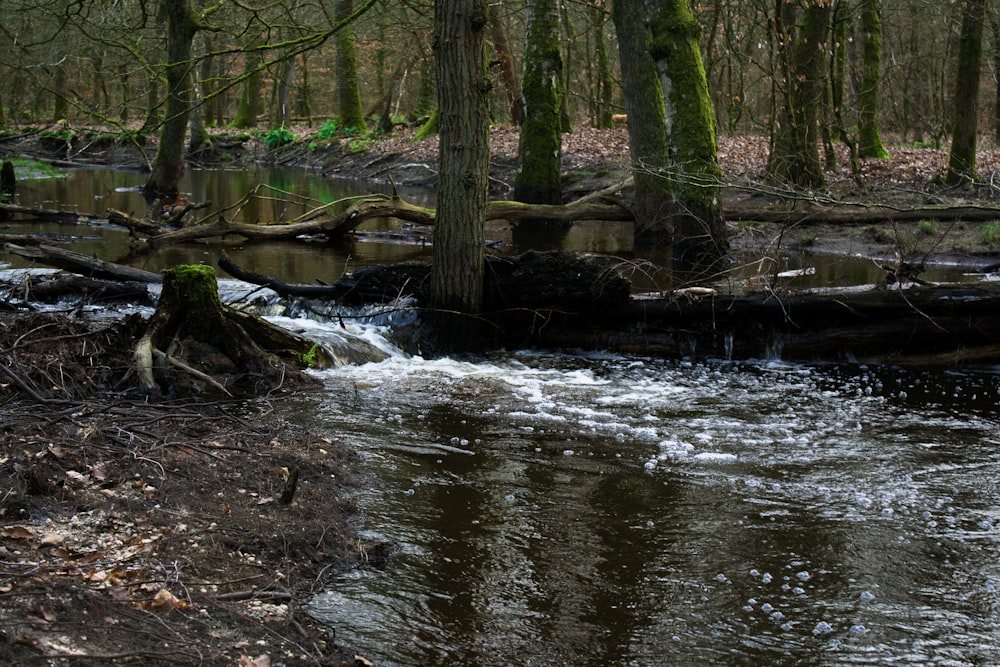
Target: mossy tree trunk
(801, 41)
(537, 180)
(190, 313)
(169, 162)
(646, 119)
(463, 164)
(869, 137)
(352, 116)
(699, 230)
(249, 106)
(962, 157)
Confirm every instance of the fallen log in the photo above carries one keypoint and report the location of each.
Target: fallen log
(46, 214)
(856, 214)
(82, 264)
(320, 222)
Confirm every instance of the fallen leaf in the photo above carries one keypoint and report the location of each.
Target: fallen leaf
(164, 600)
(259, 661)
(51, 540)
(17, 533)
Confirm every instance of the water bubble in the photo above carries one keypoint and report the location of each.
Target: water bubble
(822, 628)
(786, 626)
(747, 608)
(804, 576)
(650, 524)
(798, 590)
(409, 492)
(648, 465)
(721, 578)
(767, 607)
(766, 578)
(455, 440)
(567, 452)
(777, 616)
(509, 497)
(754, 573)
(858, 629)
(867, 596)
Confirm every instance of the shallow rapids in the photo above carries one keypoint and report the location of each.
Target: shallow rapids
(596, 510)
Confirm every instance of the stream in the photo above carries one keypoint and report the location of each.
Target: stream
(595, 509)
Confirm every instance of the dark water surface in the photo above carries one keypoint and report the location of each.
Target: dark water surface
(602, 510)
(265, 195)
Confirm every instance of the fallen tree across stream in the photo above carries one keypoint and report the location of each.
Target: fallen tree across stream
(571, 300)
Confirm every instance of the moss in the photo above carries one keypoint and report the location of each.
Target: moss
(311, 358)
(194, 283)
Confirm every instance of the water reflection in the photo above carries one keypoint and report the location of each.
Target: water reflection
(598, 510)
(265, 194)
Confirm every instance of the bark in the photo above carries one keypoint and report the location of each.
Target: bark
(869, 137)
(250, 91)
(169, 162)
(501, 53)
(699, 237)
(603, 95)
(962, 157)
(537, 180)
(802, 49)
(352, 116)
(646, 119)
(463, 162)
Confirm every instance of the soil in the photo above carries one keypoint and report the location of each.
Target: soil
(154, 533)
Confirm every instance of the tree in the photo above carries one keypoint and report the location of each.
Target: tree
(699, 230)
(869, 139)
(537, 180)
(801, 41)
(352, 116)
(463, 165)
(962, 157)
(646, 119)
(169, 162)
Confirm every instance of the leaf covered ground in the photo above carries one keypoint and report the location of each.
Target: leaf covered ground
(134, 533)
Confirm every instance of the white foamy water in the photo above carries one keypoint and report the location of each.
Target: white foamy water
(595, 509)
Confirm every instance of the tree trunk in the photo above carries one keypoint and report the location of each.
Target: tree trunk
(169, 162)
(646, 120)
(604, 84)
(501, 53)
(249, 106)
(700, 238)
(352, 116)
(802, 51)
(869, 139)
(962, 157)
(537, 180)
(189, 314)
(463, 162)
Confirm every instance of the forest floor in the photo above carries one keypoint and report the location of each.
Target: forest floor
(139, 533)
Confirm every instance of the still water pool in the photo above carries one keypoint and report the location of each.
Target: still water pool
(605, 510)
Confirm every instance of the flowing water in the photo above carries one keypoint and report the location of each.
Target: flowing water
(590, 509)
(606, 510)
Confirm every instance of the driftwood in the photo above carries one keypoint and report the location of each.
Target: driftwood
(46, 214)
(82, 264)
(851, 214)
(321, 222)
